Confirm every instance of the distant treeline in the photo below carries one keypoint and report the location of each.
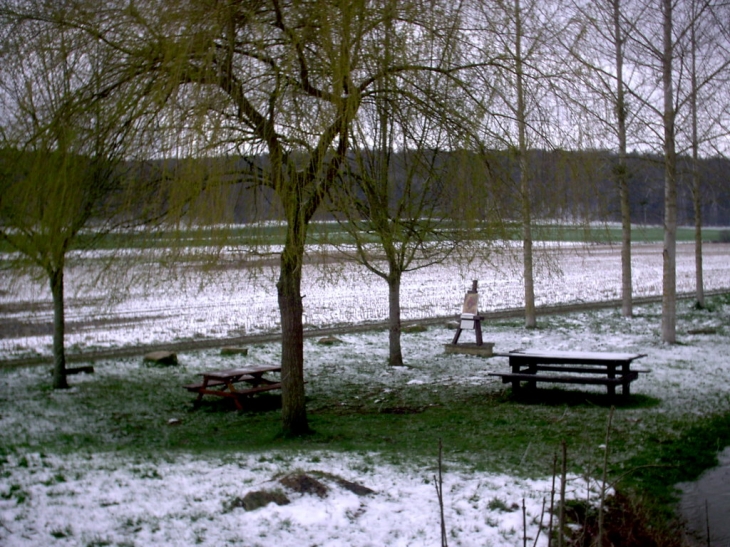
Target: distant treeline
(566, 186)
(585, 183)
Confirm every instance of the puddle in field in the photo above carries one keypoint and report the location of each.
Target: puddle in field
(705, 505)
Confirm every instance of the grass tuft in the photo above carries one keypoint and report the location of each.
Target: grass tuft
(60, 533)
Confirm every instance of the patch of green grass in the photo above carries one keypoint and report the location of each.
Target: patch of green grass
(613, 234)
(488, 429)
(98, 541)
(328, 232)
(668, 460)
(58, 478)
(712, 305)
(498, 504)
(15, 492)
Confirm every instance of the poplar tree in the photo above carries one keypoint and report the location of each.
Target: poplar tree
(521, 68)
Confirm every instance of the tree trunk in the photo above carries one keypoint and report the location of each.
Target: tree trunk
(59, 330)
(621, 170)
(699, 278)
(293, 407)
(696, 183)
(395, 357)
(627, 288)
(669, 292)
(530, 314)
(530, 317)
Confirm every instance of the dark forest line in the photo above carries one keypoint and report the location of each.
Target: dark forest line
(570, 186)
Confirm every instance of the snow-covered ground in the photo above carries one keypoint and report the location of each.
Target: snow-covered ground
(174, 499)
(110, 500)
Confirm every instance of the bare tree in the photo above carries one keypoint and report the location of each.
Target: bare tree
(621, 171)
(669, 254)
(662, 44)
(398, 186)
(602, 95)
(621, 168)
(696, 182)
(407, 206)
(519, 100)
(706, 59)
(526, 200)
(62, 152)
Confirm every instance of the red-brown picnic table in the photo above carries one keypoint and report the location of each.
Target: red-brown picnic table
(222, 383)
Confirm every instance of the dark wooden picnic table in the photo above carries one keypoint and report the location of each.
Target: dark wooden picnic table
(222, 383)
(571, 367)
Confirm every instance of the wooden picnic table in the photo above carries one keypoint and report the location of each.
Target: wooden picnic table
(572, 367)
(222, 383)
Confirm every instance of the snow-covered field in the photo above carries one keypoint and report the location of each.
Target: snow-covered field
(232, 298)
(174, 499)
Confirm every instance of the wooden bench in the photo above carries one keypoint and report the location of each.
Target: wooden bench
(571, 367)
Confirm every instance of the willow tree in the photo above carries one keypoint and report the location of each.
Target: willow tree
(62, 151)
(396, 200)
(269, 77)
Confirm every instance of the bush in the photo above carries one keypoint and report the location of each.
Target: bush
(630, 522)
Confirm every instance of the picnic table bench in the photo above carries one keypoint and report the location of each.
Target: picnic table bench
(222, 383)
(572, 367)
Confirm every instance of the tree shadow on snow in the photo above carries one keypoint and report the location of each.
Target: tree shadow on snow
(556, 396)
(263, 402)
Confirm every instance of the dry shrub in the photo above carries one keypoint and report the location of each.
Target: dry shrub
(629, 522)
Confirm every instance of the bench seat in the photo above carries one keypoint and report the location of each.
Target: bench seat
(235, 395)
(508, 377)
(258, 389)
(214, 383)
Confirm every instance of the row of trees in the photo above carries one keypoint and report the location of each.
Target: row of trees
(566, 184)
(331, 93)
